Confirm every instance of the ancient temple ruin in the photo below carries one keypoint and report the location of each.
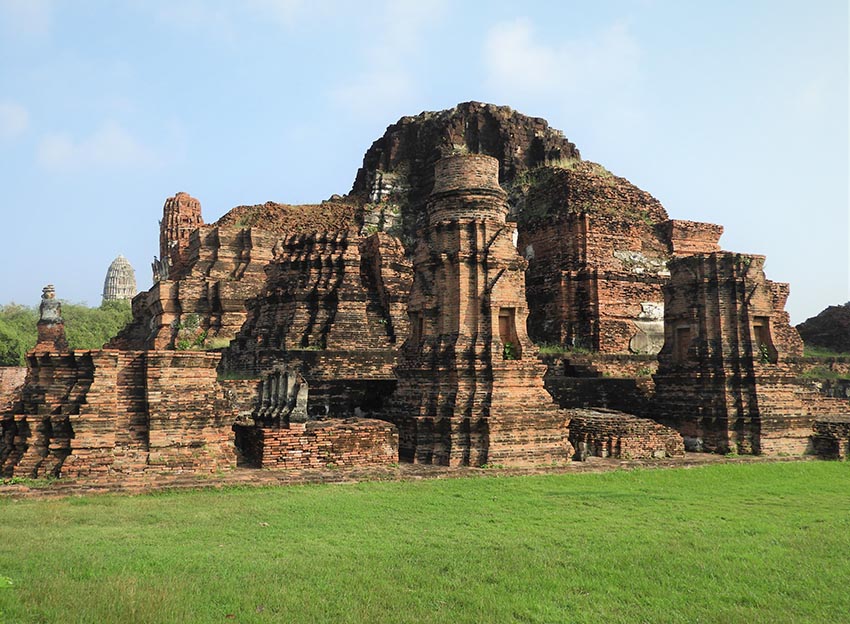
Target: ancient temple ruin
(728, 373)
(402, 322)
(470, 387)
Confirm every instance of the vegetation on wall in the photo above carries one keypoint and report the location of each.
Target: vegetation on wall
(85, 327)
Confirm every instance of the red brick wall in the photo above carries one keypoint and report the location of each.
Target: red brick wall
(607, 433)
(11, 380)
(222, 268)
(335, 306)
(319, 444)
(181, 215)
(832, 437)
(107, 412)
(596, 252)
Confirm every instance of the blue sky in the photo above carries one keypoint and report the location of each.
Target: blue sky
(728, 112)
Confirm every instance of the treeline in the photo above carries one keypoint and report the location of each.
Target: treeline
(85, 327)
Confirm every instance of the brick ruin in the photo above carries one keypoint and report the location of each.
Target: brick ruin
(107, 413)
(12, 380)
(598, 249)
(728, 344)
(401, 322)
(470, 387)
(181, 216)
(207, 271)
(608, 433)
(334, 307)
(213, 270)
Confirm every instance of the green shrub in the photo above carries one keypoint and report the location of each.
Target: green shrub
(821, 352)
(190, 334)
(85, 327)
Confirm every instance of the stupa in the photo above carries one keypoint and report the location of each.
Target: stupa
(120, 282)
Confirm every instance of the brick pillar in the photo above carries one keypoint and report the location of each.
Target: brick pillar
(181, 215)
(470, 386)
(726, 373)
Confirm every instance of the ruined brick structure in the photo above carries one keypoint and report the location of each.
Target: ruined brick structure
(181, 215)
(598, 248)
(470, 387)
(727, 375)
(398, 169)
(279, 432)
(333, 305)
(107, 413)
(618, 382)
(350, 442)
(11, 382)
(221, 267)
(608, 433)
(596, 244)
(832, 437)
(399, 322)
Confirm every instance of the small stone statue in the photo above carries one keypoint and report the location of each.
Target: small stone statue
(50, 310)
(51, 327)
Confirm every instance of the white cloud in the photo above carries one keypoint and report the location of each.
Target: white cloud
(595, 77)
(514, 59)
(110, 146)
(386, 84)
(226, 20)
(30, 17)
(14, 120)
(373, 93)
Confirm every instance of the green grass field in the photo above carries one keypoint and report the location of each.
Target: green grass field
(726, 543)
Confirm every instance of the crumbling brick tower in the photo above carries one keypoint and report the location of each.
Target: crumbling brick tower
(470, 388)
(726, 376)
(181, 215)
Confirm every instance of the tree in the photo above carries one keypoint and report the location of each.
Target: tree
(85, 328)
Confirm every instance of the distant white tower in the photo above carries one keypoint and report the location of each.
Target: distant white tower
(120, 282)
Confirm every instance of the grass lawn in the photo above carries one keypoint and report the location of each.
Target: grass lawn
(725, 543)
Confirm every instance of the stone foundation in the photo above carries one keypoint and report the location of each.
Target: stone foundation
(608, 433)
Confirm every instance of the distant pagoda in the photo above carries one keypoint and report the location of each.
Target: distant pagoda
(120, 282)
